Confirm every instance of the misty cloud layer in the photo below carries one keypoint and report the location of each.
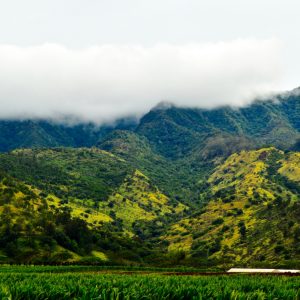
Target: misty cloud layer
(102, 83)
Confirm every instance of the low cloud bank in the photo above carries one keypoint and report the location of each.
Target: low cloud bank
(100, 84)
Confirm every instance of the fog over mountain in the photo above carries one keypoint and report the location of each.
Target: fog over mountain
(102, 83)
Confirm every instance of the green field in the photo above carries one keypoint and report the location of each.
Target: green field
(88, 284)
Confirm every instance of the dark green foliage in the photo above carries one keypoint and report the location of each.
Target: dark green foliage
(218, 221)
(48, 177)
(215, 247)
(279, 248)
(34, 133)
(178, 180)
(243, 231)
(225, 228)
(239, 212)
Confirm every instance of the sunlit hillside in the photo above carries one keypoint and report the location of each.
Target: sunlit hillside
(254, 213)
(98, 186)
(35, 229)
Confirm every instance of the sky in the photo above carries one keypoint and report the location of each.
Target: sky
(101, 60)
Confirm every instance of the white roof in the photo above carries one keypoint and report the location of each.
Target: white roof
(288, 271)
(240, 270)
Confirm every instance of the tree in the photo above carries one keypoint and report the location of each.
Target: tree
(243, 231)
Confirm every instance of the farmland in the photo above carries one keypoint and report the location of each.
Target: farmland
(87, 283)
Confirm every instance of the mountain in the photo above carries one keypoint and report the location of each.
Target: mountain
(42, 133)
(254, 215)
(180, 132)
(67, 204)
(174, 132)
(81, 180)
(178, 180)
(182, 186)
(32, 232)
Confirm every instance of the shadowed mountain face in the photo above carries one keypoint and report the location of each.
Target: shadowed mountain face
(177, 132)
(173, 132)
(41, 133)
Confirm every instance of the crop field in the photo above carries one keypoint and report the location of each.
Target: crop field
(92, 284)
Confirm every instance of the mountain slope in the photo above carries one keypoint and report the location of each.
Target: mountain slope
(45, 133)
(254, 214)
(172, 132)
(180, 132)
(179, 180)
(89, 183)
(31, 231)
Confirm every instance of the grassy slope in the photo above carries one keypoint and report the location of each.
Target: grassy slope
(132, 196)
(23, 217)
(30, 230)
(259, 184)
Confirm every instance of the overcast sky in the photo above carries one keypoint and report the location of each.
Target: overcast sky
(100, 60)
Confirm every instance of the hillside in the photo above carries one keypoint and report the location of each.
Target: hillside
(31, 231)
(187, 181)
(90, 183)
(178, 180)
(180, 132)
(17, 134)
(255, 212)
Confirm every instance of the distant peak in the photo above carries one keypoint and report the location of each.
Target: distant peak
(163, 105)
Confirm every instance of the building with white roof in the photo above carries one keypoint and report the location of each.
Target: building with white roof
(241, 270)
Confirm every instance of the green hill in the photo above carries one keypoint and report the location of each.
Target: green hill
(178, 180)
(44, 133)
(254, 213)
(33, 231)
(89, 182)
(182, 186)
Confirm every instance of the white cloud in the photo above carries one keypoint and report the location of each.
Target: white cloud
(103, 83)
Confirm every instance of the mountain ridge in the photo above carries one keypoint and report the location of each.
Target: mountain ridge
(194, 186)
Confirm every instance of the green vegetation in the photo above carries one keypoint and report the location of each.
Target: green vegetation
(31, 231)
(179, 180)
(184, 187)
(90, 206)
(253, 218)
(113, 286)
(41, 133)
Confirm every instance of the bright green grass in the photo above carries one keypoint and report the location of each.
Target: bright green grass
(91, 286)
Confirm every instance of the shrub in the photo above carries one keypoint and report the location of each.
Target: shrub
(279, 248)
(239, 211)
(218, 221)
(225, 228)
(184, 233)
